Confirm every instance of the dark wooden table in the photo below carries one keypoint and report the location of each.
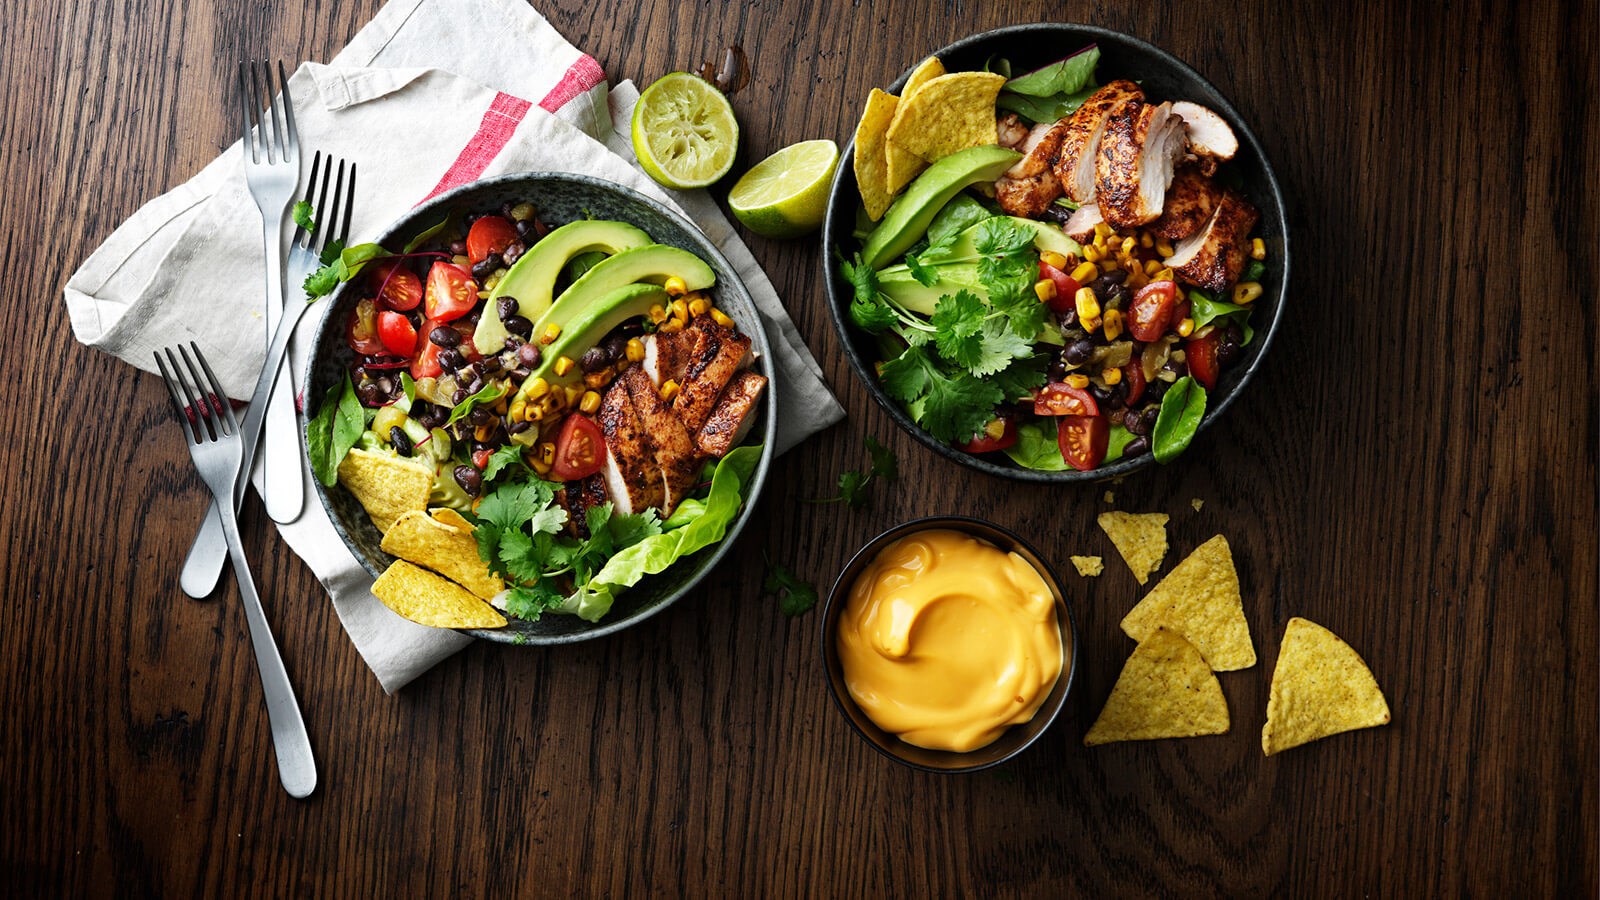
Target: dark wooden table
(1414, 468)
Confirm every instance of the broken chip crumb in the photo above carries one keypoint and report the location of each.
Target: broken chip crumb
(1109, 497)
(1196, 503)
(1200, 600)
(1140, 538)
(1165, 690)
(1320, 687)
(1088, 566)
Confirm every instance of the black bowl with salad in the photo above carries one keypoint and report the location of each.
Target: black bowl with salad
(1077, 292)
(562, 379)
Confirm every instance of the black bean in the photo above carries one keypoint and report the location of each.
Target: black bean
(1234, 333)
(1227, 352)
(525, 229)
(458, 248)
(369, 395)
(490, 365)
(1139, 446)
(474, 386)
(519, 427)
(1134, 422)
(470, 479)
(1119, 298)
(520, 374)
(474, 368)
(1177, 368)
(1108, 280)
(1057, 371)
(616, 347)
(1117, 396)
(1078, 352)
(506, 307)
(530, 354)
(594, 359)
(450, 360)
(428, 414)
(463, 430)
(485, 267)
(1057, 214)
(480, 416)
(1155, 390)
(1149, 416)
(506, 208)
(1100, 394)
(400, 440)
(520, 326)
(1118, 416)
(513, 252)
(445, 336)
(1069, 322)
(385, 385)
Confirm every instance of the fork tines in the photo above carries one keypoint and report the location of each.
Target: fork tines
(325, 227)
(205, 412)
(256, 85)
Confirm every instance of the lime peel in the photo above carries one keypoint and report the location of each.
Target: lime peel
(684, 132)
(786, 194)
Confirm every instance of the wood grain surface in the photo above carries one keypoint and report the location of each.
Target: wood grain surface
(1414, 467)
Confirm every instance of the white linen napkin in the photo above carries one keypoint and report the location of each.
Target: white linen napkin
(424, 98)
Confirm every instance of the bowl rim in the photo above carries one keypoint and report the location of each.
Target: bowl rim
(844, 328)
(983, 529)
(763, 348)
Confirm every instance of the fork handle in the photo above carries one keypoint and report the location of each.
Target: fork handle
(297, 768)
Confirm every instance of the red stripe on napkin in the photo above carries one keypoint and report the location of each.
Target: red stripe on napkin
(580, 78)
(499, 123)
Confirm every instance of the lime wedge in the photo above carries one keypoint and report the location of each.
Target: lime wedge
(786, 194)
(684, 132)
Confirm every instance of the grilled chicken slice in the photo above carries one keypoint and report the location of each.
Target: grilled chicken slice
(1213, 257)
(733, 415)
(1012, 132)
(1080, 225)
(717, 353)
(1190, 201)
(1208, 134)
(631, 475)
(670, 443)
(666, 354)
(1075, 164)
(1029, 187)
(1141, 145)
(577, 498)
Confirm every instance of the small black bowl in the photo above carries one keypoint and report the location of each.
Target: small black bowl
(1163, 76)
(1017, 738)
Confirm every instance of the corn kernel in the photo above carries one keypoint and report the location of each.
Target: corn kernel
(1088, 306)
(551, 332)
(1112, 323)
(1246, 292)
(721, 318)
(461, 261)
(675, 286)
(547, 453)
(519, 409)
(533, 414)
(1185, 328)
(995, 428)
(482, 432)
(575, 394)
(658, 314)
(1052, 258)
(1128, 244)
(1078, 381)
(670, 326)
(1045, 289)
(537, 388)
(1258, 248)
(1102, 231)
(541, 467)
(590, 403)
(1164, 247)
(1152, 266)
(1093, 253)
(1108, 265)
(699, 306)
(484, 295)
(1145, 240)
(1086, 272)
(635, 349)
(1166, 275)
(596, 380)
(1090, 324)
(669, 390)
(522, 212)
(680, 309)
(1111, 376)
(563, 365)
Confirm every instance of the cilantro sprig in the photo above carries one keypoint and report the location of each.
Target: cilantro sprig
(853, 484)
(795, 596)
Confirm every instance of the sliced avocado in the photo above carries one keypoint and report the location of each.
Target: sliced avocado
(1046, 236)
(907, 220)
(655, 264)
(532, 280)
(591, 320)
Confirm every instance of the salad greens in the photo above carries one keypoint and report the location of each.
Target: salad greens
(1207, 310)
(302, 216)
(1182, 408)
(853, 484)
(795, 596)
(335, 429)
(1054, 91)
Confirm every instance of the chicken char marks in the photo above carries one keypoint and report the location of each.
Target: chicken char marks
(1075, 163)
(670, 442)
(1213, 257)
(631, 476)
(1141, 144)
(1191, 200)
(1029, 187)
(716, 353)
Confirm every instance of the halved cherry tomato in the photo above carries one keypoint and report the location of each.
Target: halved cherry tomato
(480, 458)
(397, 333)
(1083, 440)
(1066, 287)
(983, 443)
(1201, 355)
(451, 292)
(1133, 377)
(490, 234)
(1151, 311)
(1058, 399)
(397, 286)
(1180, 310)
(361, 332)
(580, 449)
(426, 363)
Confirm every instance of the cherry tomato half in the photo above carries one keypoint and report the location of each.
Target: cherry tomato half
(397, 333)
(480, 458)
(451, 292)
(1133, 377)
(1066, 287)
(1151, 311)
(1201, 355)
(426, 363)
(580, 449)
(397, 286)
(361, 332)
(1083, 440)
(983, 443)
(1058, 399)
(490, 234)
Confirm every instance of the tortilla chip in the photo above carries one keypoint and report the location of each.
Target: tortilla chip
(1200, 600)
(902, 165)
(1109, 497)
(1140, 538)
(1166, 690)
(1320, 687)
(387, 486)
(1088, 566)
(1196, 503)
(428, 599)
(926, 71)
(948, 113)
(444, 548)
(448, 516)
(872, 166)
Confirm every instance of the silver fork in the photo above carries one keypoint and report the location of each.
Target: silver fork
(272, 168)
(217, 450)
(332, 222)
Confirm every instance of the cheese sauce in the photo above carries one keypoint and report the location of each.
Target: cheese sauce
(947, 640)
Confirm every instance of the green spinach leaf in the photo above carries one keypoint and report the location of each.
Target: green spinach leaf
(1181, 411)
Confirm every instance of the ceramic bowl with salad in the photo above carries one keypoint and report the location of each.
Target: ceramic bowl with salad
(1055, 254)
(539, 408)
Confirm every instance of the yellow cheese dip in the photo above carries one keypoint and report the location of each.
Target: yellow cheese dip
(947, 640)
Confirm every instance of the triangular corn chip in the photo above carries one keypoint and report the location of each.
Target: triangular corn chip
(1088, 566)
(387, 486)
(903, 165)
(1200, 600)
(451, 551)
(946, 114)
(1320, 687)
(871, 161)
(926, 71)
(428, 599)
(1166, 690)
(1140, 538)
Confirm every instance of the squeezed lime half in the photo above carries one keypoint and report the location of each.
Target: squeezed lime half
(684, 132)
